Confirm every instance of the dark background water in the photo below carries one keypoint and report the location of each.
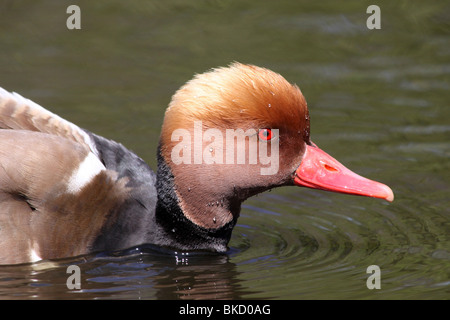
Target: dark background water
(378, 100)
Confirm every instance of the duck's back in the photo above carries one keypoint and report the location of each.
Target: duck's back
(65, 191)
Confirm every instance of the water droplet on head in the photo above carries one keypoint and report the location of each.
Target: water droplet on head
(211, 149)
(269, 105)
(214, 219)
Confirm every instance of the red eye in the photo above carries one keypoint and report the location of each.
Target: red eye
(265, 134)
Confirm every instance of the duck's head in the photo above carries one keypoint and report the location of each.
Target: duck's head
(233, 132)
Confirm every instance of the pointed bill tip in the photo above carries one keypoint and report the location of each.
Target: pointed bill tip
(389, 196)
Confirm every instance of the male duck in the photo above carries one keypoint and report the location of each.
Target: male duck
(65, 191)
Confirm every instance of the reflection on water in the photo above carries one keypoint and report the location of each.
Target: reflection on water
(140, 273)
(378, 102)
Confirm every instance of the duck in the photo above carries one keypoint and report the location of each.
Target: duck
(228, 134)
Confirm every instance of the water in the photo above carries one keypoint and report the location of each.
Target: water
(378, 100)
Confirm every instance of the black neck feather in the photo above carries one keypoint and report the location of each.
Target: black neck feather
(181, 232)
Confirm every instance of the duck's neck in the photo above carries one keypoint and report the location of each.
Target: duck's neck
(181, 232)
(155, 220)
